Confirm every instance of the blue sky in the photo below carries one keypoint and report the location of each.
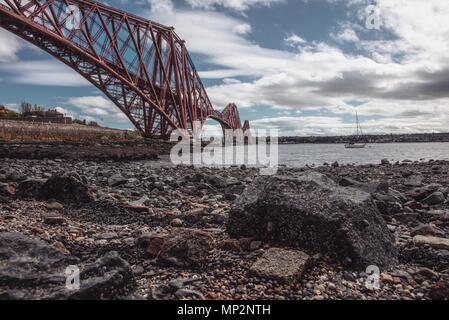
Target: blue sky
(304, 67)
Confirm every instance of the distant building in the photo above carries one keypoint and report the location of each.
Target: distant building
(36, 114)
(48, 116)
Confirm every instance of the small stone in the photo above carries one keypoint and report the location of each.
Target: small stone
(427, 273)
(53, 220)
(59, 245)
(280, 264)
(138, 270)
(108, 236)
(434, 242)
(386, 278)
(177, 223)
(241, 289)
(255, 245)
(385, 162)
(230, 245)
(54, 206)
(6, 190)
(426, 230)
(435, 199)
(117, 180)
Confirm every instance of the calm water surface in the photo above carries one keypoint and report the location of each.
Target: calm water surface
(307, 154)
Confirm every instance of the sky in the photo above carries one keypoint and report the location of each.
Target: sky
(304, 67)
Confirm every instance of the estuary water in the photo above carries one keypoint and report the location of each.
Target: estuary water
(299, 155)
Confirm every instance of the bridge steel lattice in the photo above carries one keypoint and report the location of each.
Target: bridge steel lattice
(143, 67)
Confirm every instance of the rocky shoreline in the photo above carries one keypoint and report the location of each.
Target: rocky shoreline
(150, 230)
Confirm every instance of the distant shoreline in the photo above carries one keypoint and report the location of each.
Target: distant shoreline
(373, 139)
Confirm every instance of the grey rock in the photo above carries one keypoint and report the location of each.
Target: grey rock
(29, 189)
(25, 265)
(434, 242)
(31, 269)
(176, 223)
(53, 220)
(108, 236)
(54, 206)
(6, 190)
(414, 180)
(435, 199)
(117, 180)
(426, 230)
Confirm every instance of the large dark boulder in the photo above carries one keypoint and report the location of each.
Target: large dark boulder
(311, 212)
(32, 269)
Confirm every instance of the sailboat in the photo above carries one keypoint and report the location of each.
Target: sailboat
(355, 143)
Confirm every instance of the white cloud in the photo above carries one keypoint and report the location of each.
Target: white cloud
(9, 47)
(294, 40)
(242, 29)
(97, 108)
(347, 35)
(398, 78)
(241, 5)
(43, 73)
(400, 74)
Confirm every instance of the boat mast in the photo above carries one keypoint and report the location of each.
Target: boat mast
(359, 127)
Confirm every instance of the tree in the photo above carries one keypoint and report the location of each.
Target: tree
(77, 121)
(93, 124)
(25, 107)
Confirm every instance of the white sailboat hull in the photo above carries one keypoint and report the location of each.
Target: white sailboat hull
(355, 146)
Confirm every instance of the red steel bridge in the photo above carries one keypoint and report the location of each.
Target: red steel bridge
(143, 67)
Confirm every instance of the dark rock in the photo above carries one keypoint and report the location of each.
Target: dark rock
(110, 277)
(32, 269)
(29, 189)
(427, 273)
(230, 245)
(387, 204)
(309, 211)
(420, 194)
(177, 223)
(7, 190)
(65, 188)
(216, 181)
(370, 187)
(385, 162)
(54, 206)
(435, 199)
(53, 220)
(117, 180)
(255, 245)
(440, 291)
(16, 177)
(348, 182)
(413, 180)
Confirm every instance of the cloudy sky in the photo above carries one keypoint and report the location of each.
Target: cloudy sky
(303, 66)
